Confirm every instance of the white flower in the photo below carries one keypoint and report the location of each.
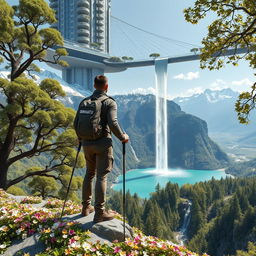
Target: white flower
(55, 225)
(3, 228)
(18, 231)
(98, 253)
(144, 244)
(159, 245)
(52, 235)
(145, 254)
(35, 221)
(2, 246)
(24, 236)
(75, 245)
(86, 245)
(65, 236)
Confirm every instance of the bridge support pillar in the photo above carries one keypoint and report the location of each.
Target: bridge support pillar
(81, 76)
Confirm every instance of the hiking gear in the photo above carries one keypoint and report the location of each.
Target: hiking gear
(72, 174)
(99, 160)
(109, 121)
(104, 216)
(87, 210)
(124, 199)
(88, 125)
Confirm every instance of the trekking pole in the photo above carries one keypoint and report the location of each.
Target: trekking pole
(72, 174)
(124, 201)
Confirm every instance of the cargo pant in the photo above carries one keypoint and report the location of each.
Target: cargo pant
(99, 161)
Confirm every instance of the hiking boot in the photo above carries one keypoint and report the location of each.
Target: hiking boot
(87, 210)
(105, 216)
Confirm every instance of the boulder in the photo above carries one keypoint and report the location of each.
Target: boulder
(104, 232)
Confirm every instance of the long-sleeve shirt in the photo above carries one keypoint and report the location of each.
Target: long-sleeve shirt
(108, 119)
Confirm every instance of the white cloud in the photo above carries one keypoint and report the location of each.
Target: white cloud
(218, 85)
(144, 91)
(243, 82)
(188, 76)
(190, 92)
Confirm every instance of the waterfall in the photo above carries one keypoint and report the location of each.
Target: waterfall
(182, 234)
(161, 115)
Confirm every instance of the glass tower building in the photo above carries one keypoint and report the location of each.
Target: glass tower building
(83, 23)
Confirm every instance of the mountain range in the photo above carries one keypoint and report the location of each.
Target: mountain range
(217, 108)
(189, 144)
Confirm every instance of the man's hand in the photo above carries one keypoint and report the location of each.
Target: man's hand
(126, 138)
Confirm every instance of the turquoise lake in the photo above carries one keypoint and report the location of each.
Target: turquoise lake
(144, 181)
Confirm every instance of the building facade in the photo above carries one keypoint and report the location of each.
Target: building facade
(84, 24)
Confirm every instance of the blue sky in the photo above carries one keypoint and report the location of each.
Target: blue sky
(165, 17)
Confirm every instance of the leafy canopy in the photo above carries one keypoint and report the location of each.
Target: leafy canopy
(233, 28)
(23, 41)
(33, 122)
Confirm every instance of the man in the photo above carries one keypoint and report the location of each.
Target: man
(99, 153)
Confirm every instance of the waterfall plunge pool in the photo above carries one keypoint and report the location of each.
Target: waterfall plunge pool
(144, 181)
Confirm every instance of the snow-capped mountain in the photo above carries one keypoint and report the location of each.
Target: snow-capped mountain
(74, 93)
(211, 96)
(217, 108)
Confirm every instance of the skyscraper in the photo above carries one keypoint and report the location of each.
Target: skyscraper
(84, 21)
(85, 26)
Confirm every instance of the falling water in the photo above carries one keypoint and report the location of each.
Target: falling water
(161, 115)
(182, 234)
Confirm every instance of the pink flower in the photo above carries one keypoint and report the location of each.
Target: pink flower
(18, 220)
(137, 239)
(117, 249)
(71, 241)
(71, 232)
(31, 231)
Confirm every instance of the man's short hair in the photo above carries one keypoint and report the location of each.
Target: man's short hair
(100, 81)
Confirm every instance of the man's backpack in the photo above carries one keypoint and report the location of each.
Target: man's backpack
(88, 123)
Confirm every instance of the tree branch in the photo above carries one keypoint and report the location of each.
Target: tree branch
(25, 176)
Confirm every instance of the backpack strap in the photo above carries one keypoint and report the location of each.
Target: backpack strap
(111, 98)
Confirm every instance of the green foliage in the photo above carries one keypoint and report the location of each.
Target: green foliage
(126, 58)
(34, 124)
(154, 55)
(223, 214)
(21, 32)
(234, 27)
(115, 59)
(42, 121)
(43, 186)
(251, 250)
(16, 191)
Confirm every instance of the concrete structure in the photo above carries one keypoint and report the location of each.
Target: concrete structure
(86, 24)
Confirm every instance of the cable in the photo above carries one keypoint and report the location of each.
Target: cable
(154, 34)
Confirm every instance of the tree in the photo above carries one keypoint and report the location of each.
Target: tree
(115, 59)
(43, 186)
(251, 250)
(125, 58)
(194, 50)
(154, 55)
(17, 191)
(32, 121)
(234, 28)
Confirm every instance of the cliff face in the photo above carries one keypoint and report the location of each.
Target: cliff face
(188, 141)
